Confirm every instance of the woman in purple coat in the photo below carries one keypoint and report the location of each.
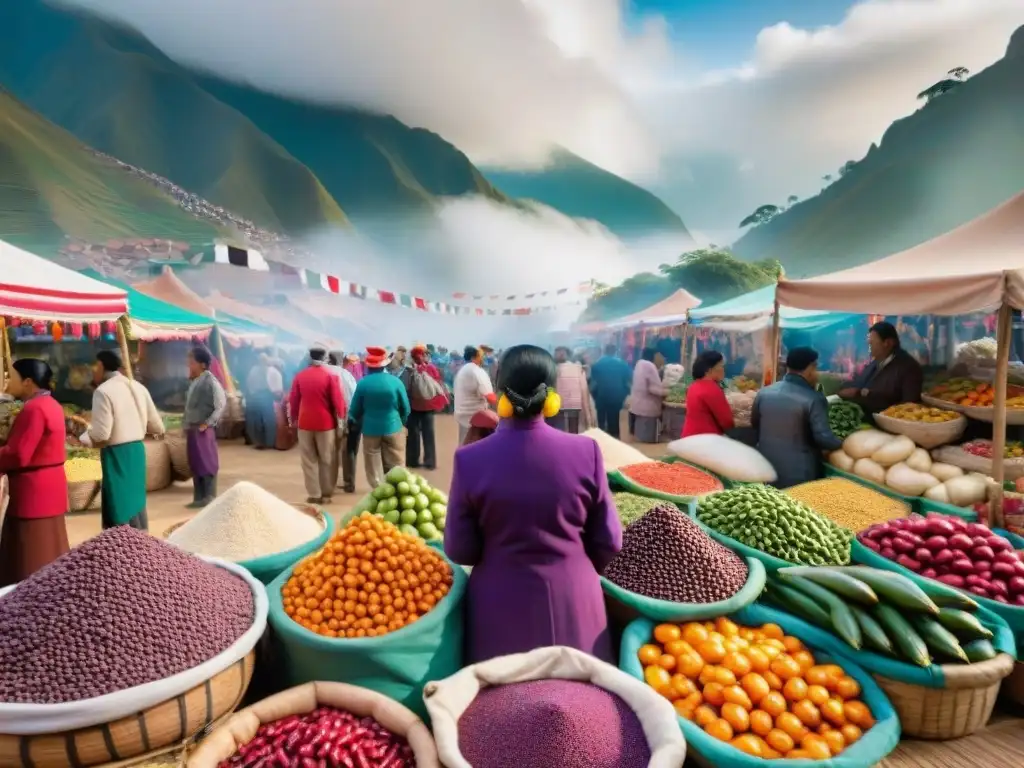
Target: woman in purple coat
(531, 511)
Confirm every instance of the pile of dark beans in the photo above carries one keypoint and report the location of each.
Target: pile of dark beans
(120, 610)
(666, 556)
(551, 724)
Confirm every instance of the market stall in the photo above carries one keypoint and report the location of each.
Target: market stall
(975, 267)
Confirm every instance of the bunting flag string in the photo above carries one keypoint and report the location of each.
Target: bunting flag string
(251, 259)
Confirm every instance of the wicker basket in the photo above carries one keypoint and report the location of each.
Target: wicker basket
(962, 707)
(925, 435)
(232, 423)
(1013, 686)
(158, 465)
(84, 495)
(968, 462)
(177, 447)
(171, 722)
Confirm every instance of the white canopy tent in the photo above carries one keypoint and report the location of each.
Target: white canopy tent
(977, 267)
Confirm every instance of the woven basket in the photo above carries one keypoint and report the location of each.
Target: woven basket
(83, 495)
(171, 722)
(968, 462)
(177, 447)
(1013, 686)
(232, 423)
(158, 465)
(962, 707)
(925, 435)
(938, 402)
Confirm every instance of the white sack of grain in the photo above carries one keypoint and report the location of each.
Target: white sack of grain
(615, 453)
(244, 523)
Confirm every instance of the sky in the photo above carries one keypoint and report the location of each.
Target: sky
(716, 106)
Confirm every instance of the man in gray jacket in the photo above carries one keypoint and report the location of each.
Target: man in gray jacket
(791, 421)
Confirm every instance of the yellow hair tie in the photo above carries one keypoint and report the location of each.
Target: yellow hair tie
(505, 408)
(552, 404)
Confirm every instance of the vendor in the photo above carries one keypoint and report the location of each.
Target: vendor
(791, 421)
(892, 377)
(530, 509)
(34, 533)
(646, 399)
(204, 407)
(707, 410)
(123, 414)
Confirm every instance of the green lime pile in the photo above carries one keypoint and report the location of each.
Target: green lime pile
(406, 499)
(768, 520)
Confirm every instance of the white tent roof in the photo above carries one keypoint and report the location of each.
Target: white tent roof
(32, 287)
(670, 311)
(976, 267)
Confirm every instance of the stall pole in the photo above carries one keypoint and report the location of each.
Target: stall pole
(693, 345)
(5, 356)
(228, 381)
(122, 342)
(682, 346)
(774, 345)
(999, 412)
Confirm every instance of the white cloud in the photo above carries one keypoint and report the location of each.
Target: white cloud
(501, 79)
(808, 100)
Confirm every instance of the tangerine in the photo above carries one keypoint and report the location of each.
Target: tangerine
(761, 722)
(736, 695)
(719, 729)
(835, 742)
(736, 716)
(807, 713)
(818, 694)
(779, 740)
(755, 686)
(712, 651)
(737, 663)
(773, 703)
(851, 733)
(667, 633)
(714, 694)
(795, 689)
(847, 688)
(791, 724)
(833, 711)
(749, 744)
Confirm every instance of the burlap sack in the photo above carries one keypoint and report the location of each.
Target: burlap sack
(241, 728)
(447, 699)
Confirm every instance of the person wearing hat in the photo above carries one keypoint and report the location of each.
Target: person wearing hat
(790, 419)
(317, 408)
(427, 396)
(380, 408)
(398, 363)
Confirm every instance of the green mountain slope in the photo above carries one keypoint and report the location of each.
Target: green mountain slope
(955, 158)
(579, 188)
(51, 185)
(287, 166)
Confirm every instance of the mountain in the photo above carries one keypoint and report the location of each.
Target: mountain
(956, 157)
(52, 186)
(286, 166)
(581, 189)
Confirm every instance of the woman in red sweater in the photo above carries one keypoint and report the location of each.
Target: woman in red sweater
(34, 533)
(707, 410)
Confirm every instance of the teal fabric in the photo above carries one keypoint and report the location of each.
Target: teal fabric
(268, 568)
(770, 562)
(380, 404)
(924, 506)
(398, 664)
(874, 745)
(1013, 615)
(761, 303)
(123, 491)
(152, 311)
(665, 610)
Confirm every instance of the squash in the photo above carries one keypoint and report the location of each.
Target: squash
(966, 491)
(920, 460)
(841, 460)
(862, 444)
(907, 481)
(937, 493)
(896, 450)
(869, 470)
(945, 471)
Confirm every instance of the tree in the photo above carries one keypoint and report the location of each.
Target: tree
(716, 275)
(959, 73)
(762, 215)
(848, 166)
(791, 199)
(634, 294)
(932, 92)
(827, 178)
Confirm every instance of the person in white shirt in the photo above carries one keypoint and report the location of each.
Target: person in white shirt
(472, 390)
(123, 414)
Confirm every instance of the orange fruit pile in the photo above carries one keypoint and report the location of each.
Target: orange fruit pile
(757, 689)
(368, 580)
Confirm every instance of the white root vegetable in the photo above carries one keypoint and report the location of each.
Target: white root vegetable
(896, 450)
(869, 470)
(842, 460)
(920, 460)
(966, 491)
(907, 481)
(945, 471)
(937, 493)
(862, 444)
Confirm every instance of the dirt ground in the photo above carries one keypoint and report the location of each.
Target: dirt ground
(279, 473)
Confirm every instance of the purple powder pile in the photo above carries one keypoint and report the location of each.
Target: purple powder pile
(118, 611)
(666, 556)
(551, 724)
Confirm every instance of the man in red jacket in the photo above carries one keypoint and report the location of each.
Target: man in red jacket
(317, 408)
(426, 399)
